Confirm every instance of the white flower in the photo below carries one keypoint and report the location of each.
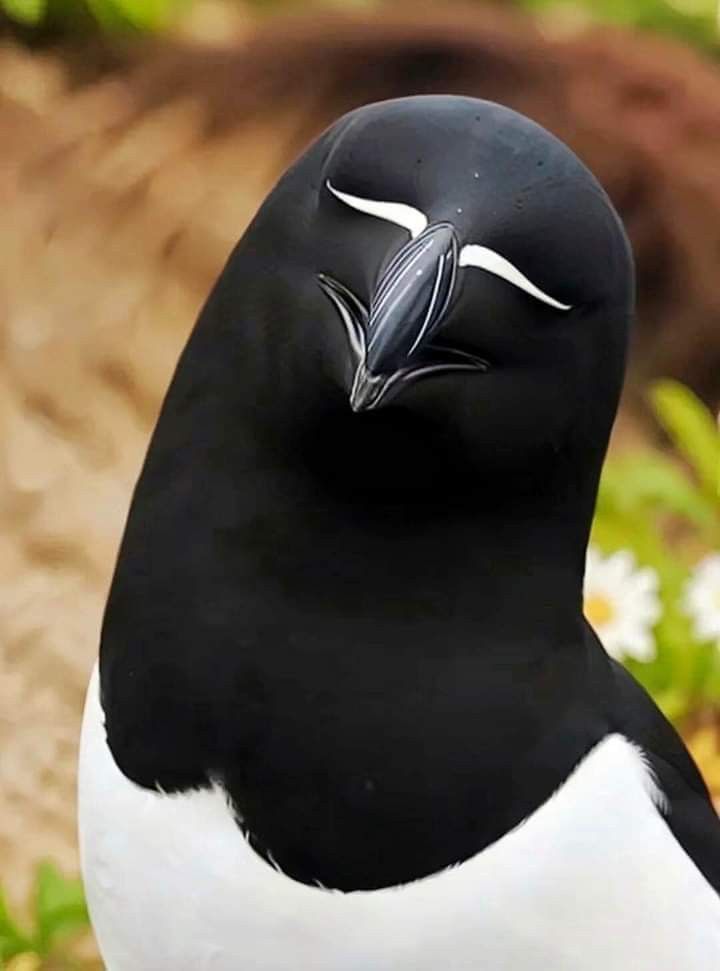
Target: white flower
(702, 598)
(622, 604)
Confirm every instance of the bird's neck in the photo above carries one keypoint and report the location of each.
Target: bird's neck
(503, 569)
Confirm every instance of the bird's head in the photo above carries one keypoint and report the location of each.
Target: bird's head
(441, 266)
(477, 272)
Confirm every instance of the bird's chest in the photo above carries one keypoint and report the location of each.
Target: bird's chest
(364, 769)
(366, 783)
(172, 884)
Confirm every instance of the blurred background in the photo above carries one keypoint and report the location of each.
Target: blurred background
(138, 137)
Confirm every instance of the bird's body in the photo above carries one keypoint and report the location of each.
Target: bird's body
(345, 639)
(182, 888)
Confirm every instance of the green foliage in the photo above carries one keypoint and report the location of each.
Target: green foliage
(692, 428)
(59, 913)
(141, 15)
(694, 21)
(666, 509)
(29, 12)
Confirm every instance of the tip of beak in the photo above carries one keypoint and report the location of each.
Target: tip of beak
(367, 389)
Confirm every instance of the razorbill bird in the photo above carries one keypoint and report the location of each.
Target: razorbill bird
(348, 715)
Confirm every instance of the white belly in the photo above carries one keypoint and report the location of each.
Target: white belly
(592, 881)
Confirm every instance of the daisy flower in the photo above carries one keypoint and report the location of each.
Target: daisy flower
(702, 598)
(622, 604)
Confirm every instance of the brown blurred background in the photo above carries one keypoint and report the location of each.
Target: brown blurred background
(129, 167)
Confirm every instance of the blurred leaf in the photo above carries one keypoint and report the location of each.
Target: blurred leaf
(651, 479)
(106, 14)
(141, 14)
(25, 11)
(12, 939)
(673, 704)
(692, 429)
(59, 906)
(110, 15)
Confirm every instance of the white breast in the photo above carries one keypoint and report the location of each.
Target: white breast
(592, 881)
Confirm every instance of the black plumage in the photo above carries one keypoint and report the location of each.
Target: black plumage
(367, 624)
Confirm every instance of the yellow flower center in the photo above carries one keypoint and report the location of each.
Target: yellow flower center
(598, 609)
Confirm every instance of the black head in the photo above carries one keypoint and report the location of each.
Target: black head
(435, 296)
(448, 257)
(461, 240)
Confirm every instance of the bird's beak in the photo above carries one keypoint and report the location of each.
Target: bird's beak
(392, 344)
(407, 307)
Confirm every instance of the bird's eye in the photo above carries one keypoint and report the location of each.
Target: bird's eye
(487, 259)
(395, 212)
